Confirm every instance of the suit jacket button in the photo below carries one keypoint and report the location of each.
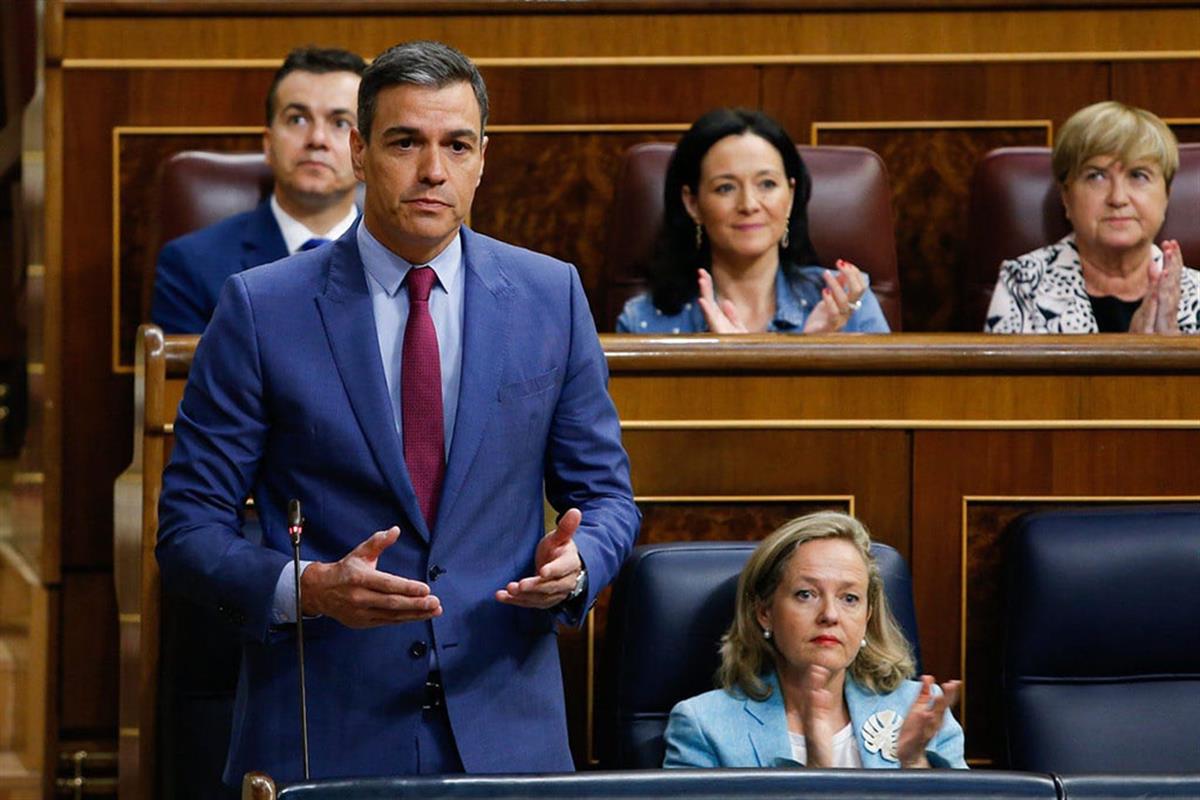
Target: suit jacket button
(435, 572)
(418, 649)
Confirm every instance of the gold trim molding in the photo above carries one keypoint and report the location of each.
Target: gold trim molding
(930, 124)
(551, 62)
(905, 424)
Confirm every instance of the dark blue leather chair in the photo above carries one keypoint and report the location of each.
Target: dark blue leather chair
(670, 606)
(1102, 640)
(1128, 787)
(691, 784)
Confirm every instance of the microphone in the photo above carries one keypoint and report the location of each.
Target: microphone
(296, 530)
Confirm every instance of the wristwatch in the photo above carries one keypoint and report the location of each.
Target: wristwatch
(580, 585)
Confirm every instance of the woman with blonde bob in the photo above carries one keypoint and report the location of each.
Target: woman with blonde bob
(814, 669)
(1114, 164)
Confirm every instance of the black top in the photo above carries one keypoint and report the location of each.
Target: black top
(1113, 314)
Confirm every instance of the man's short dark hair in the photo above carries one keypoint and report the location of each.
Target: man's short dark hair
(313, 59)
(422, 63)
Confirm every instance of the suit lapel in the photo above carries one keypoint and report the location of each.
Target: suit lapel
(349, 320)
(262, 241)
(486, 331)
(768, 728)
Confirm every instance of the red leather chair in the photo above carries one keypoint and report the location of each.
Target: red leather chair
(196, 189)
(849, 216)
(1015, 207)
(199, 188)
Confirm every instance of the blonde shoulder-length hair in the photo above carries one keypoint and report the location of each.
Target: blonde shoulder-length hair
(746, 656)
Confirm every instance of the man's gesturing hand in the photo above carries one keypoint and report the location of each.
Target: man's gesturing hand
(355, 593)
(557, 565)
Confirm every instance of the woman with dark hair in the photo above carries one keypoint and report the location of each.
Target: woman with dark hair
(734, 255)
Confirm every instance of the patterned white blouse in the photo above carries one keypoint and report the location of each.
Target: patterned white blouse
(1043, 292)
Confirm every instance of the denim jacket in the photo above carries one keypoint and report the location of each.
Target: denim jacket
(794, 300)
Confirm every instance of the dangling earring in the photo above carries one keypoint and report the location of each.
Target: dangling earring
(786, 238)
(699, 236)
(767, 634)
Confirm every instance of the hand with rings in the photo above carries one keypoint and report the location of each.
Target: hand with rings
(840, 298)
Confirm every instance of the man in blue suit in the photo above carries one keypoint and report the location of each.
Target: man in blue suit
(310, 111)
(431, 645)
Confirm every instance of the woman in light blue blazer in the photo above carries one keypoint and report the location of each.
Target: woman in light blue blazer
(814, 669)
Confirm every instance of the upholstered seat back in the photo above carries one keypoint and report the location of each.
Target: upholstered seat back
(849, 216)
(1016, 207)
(1102, 640)
(671, 604)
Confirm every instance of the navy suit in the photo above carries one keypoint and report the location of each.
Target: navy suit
(287, 399)
(192, 268)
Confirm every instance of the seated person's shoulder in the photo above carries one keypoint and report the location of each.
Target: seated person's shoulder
(709, 704)
(215, 238)
(640, 315)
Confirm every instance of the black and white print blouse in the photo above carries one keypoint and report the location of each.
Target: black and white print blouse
(1043, 292)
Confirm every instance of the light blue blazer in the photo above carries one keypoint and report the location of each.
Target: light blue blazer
(720, 729)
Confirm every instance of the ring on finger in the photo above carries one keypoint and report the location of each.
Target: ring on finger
(856, 305)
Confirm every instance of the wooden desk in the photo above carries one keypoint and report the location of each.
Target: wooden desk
(935, 441)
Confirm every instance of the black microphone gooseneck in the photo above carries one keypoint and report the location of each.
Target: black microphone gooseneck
(295, 530)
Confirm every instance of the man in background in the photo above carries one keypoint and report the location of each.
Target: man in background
(311, 108)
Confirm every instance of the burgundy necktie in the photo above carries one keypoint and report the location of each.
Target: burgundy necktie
(421, 396)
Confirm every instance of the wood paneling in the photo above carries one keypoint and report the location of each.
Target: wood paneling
(930, 171)
(567, 214)
(88, 704)
(535, 35)
(1163, 86)
(606, 95)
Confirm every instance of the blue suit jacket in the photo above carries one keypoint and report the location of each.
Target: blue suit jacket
(287, 399)
(192, 268)
(719, 729)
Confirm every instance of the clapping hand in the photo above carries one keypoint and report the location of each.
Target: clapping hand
(819, 720)
(1159, 311)
(923, 722)
(840, 298)
(722, 317)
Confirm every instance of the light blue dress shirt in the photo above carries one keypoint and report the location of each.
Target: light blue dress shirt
(385, 273)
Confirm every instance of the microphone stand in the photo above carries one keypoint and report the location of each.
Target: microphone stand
(295, 530)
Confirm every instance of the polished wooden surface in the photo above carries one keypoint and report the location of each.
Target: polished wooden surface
(259, 33)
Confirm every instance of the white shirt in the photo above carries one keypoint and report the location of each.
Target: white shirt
(845, 749)
(296, 233)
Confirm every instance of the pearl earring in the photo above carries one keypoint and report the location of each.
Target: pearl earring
(767, 634)
(864, 642)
